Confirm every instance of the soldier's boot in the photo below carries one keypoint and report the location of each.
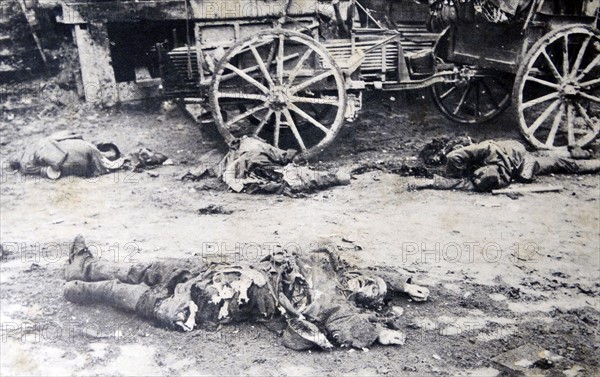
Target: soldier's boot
(588, 166)
(79, 255)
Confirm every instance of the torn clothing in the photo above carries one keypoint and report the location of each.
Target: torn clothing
(65, 152)
(183, 295)
(492, 165)
(254, 166)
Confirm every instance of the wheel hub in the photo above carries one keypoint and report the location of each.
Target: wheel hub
(278, 100)
(569, 89)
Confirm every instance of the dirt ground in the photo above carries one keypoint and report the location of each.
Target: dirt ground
(502, 272)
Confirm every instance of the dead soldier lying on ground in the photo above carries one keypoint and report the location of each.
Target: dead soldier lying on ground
(492, 165)
(253, 166)
(324, 301)
(65, 153)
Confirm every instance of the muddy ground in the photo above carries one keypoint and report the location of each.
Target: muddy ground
(502, 272)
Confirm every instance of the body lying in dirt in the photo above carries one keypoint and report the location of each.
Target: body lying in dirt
(66, 153)
(491, 165)
(324, 300)
(253, 166)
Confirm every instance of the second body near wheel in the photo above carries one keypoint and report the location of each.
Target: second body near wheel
(281, 86)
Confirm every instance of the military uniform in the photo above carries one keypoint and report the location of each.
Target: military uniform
(67, 154)
(317, 289)
(491, 165)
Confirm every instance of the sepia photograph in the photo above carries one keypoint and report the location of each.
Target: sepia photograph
(300, 188)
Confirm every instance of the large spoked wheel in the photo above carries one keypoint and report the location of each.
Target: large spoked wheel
(475, 99)
(556, 92)
(283, 87)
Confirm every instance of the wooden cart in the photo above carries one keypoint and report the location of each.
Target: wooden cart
(292, 71)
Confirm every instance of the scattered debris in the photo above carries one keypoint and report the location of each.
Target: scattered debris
(213, 209)
(526, 360)
(208, 166)
(147, 159)
(34, 267)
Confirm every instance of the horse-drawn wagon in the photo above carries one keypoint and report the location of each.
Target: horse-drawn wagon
(292, 71)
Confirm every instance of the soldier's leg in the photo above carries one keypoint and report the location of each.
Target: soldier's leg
(83, 266)
(442, 183)
(561, 165)
(111, 292)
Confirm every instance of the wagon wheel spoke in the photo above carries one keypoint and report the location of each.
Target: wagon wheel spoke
(248, 78)
(277, 129)
(295, 89)
(566, 56)
(312, 120)
(298, 66)
(580, 54)
(552, 66)
(294, 129)
(586, 117)
(541, 99)
(538, 122)
(246, 114)
(555, 125)
(587, 69)
(448, 92)
(462, 99)
(280, 57)
(542, 82)
(262, 66)
(263, 122)
(587, 84)
(570, 124)
(590, 97)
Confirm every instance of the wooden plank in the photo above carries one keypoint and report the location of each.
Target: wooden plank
(97, 73)
(32, 25)
(526, 189)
